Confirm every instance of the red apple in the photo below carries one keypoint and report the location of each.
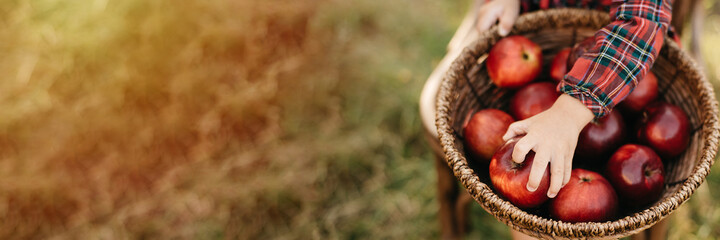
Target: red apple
(644, 93)
(544, 4)
(587, 197)
(637, 174)
(558, 67)
(665, 128)
(578, 50)
(600, 137)
(510, 178)
(533, 99)
(514, 61)
(483, 133)
(602, 4)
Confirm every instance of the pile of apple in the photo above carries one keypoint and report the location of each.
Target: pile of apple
(627, 146)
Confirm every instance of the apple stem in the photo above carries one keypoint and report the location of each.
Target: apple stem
(516, 165)
(649, 172)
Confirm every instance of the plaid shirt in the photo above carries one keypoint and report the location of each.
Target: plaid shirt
(624, 51)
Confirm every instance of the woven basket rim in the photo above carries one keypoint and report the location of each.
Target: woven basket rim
(541, 226)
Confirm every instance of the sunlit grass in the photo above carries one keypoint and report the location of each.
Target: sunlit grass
(202, 119)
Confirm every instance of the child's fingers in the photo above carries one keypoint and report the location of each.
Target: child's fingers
(557, 166)
(515, 129)
(538, 170)
(488, 15)
(568, 167)
(507, 20)
(522, 148)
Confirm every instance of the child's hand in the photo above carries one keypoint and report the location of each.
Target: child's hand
(553, 135)
(505, 11)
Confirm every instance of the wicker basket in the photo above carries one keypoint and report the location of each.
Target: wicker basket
(466, 88)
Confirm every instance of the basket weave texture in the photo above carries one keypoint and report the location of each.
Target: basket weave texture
(467, 88)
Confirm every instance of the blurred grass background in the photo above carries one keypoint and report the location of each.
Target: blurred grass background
(235, 119)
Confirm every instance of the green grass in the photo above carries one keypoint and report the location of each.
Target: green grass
(233, 119)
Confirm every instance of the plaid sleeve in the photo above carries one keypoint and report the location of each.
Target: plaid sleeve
(624, 51)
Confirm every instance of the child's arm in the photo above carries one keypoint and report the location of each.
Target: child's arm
(624, 51)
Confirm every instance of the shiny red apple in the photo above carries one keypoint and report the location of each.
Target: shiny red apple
(637, 174)
(514, 61)
(578, 50)
(558, 67)
(665, 128)
(533, 99)
(587, 197)
(510, 178)
(483, 133)
(601, 137)
(644, 93)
